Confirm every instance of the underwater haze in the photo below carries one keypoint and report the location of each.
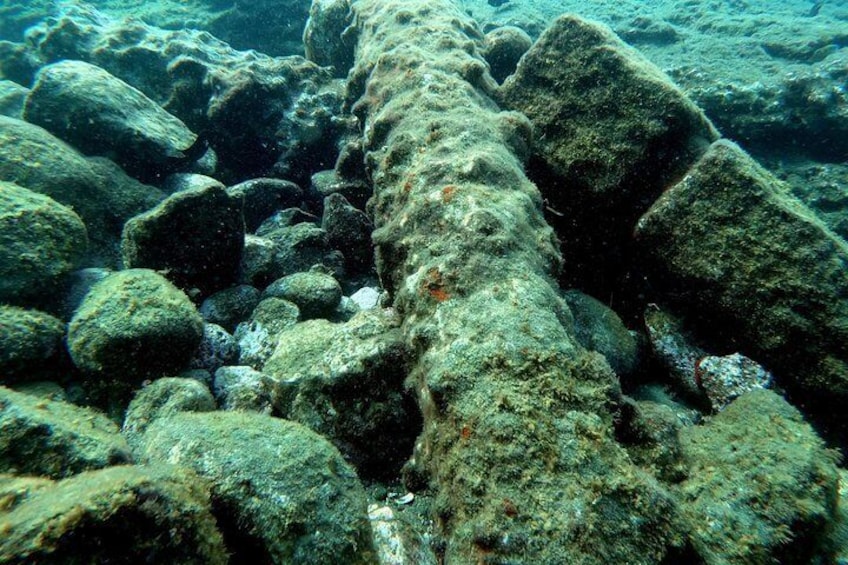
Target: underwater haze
(424, 282)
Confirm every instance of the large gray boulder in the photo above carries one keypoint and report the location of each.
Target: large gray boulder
(346, 382)
(755, 271)
(761, 488)
(281, 493)
(100, 114)
(611, 132)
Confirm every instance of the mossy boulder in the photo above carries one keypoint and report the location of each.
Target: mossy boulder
(163, 398)
(761, 486)
(315, 294)
(134, 324)
(611, 132)
(195, 236)
(55, 439)
(281, 493)
(40, 241)
(346, 382)
(126, 514)
(100, 114)
(95, 188)
(754, 270)
(30, 344)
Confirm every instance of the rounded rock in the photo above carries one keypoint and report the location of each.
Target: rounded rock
(316, 295)
(132, 325)
(40, 240)
(30, 344)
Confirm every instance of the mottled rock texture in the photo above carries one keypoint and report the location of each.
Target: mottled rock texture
(55, 439)
(40, 241)
(762, 488)
(755, 270)
(134, 324)
(151, 514)
(281, 493)
(517, 426)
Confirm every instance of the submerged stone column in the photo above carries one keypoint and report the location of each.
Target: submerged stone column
(518, 424)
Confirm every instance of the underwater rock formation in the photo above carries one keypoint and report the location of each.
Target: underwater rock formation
(96, 189)
(729, 245)
(762, 488)
(133, 324)
(611, 131)
(42, 241)
(260, 114)
(517, 434)
(55, 439)
(30, 344)
(155, 514)
(346, 382)
(281, 493)
(99, 114)
(195, 236)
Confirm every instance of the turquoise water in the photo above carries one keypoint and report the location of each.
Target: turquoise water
(423, 281)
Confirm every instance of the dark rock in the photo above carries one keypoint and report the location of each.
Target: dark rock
(230, 306)
(761, 486)
(100, 114)
(284, 219)
(345, 381)
(598, 328)
(217, 348)
(325, 183)
(286, 250)
(281, 493)
(150, 514)
(195, 236)
(78, 284)
(755, 271)
(162, 399)
(95, 188)
(41, 241)
(349, 230)
(134, 324)
(262, 197)
(503, 48)
(30, 345)
(55, 439)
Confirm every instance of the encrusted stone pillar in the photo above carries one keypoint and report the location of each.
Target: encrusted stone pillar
(518, 418)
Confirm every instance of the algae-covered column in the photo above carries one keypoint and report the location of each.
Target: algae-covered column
(518, 428)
